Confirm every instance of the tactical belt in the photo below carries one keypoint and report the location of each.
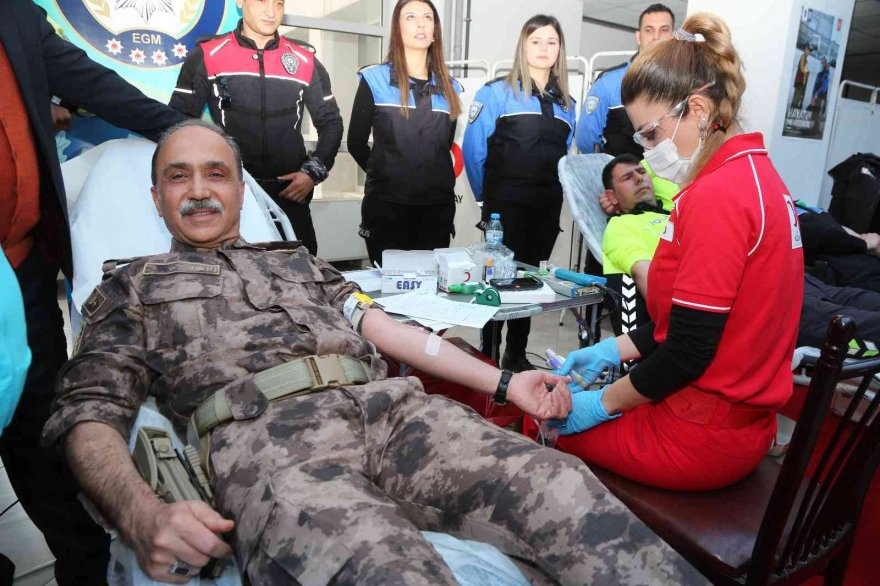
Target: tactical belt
(291, 379)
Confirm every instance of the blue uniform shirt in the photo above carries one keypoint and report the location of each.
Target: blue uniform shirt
(513, 143)
(604, 122)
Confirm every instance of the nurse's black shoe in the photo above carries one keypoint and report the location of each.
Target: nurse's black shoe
(516, 362)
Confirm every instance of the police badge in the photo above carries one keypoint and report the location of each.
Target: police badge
(592, 103)
(474, 113)
(290, 63)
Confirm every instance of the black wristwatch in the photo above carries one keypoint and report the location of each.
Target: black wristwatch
(500, 396)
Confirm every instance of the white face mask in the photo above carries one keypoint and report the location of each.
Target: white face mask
(667, 163)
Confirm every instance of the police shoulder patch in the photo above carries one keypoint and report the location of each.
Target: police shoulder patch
(290, 63)
(592, 103)
(474, 112)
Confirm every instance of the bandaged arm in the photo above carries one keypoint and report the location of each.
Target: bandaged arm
(422, 350)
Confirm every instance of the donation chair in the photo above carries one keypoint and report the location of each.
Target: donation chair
(781, 524)
(112, 216)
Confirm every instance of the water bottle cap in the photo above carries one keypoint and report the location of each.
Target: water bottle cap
(495, 216)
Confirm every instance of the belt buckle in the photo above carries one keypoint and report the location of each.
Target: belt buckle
(325, 372)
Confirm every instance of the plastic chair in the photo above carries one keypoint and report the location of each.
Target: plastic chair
(581, 179)
(779, 524)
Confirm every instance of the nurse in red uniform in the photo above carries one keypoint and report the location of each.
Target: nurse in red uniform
(698, 412)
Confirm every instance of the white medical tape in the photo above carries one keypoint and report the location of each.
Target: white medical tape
(432, 345)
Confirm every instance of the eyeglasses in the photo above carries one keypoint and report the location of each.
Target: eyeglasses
(646, 137)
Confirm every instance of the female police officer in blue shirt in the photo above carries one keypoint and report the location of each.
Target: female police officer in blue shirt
(411, 104)
(519, 127)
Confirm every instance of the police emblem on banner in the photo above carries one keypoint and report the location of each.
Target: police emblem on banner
(143, 33)
(290, 63)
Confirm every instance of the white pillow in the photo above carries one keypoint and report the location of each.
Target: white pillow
(113, 215)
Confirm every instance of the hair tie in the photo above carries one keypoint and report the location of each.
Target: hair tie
(718, 126)
(683, 35)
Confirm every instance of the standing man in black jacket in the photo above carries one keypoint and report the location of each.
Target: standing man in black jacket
(255, 84)
(36, 64)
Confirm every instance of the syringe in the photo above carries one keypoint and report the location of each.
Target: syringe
(555, 361)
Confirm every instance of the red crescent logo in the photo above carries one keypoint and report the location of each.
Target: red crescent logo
(457, 160)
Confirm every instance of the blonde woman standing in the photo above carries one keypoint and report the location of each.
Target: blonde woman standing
(518, 129)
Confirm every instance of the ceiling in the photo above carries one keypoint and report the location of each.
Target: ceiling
(862, 62)
(626, 12)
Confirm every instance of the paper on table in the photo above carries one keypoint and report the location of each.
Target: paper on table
(367, 279)
(425, 304)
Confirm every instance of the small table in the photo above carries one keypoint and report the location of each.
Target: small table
(509, 311)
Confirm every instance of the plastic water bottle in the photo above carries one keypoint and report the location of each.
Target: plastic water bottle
(494, 231)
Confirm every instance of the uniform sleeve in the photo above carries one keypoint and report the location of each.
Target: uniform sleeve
(573, 122)
(328, 122)
(108, 378)
(75, 78)
(623, 249)
(336, 289)
(192, 90)
(487, 108)
(716, 233)
(360, 124)
(594, 116)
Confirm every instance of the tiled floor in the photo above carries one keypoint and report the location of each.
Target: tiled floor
(21, 542)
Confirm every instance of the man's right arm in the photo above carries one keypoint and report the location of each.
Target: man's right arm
(192, 89)
(160, 533)
(75, 78)
(99, 392)
(591, 126)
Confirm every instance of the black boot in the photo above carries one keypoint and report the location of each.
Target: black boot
(516, 362)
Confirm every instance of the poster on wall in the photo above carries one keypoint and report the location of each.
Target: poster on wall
(144, 41)
(815, 60)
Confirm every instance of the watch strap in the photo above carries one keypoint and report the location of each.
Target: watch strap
(500, 396)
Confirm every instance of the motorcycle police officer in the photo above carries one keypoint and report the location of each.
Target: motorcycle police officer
(255, 84)
(604, 123)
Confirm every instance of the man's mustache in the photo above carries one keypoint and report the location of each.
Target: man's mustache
(192, 206)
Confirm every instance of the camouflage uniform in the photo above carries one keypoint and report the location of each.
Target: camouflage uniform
(334, 486)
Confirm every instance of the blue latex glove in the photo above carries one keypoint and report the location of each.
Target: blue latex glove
(589, 362)
(586, 412)
(15, 356)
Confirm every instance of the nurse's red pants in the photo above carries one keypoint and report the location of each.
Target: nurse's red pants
(653, 444)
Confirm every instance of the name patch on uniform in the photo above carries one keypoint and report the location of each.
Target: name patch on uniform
(474, 112)
(668, 232)
(592, 103)
(170, 268)
(94, 303)
(290, 63)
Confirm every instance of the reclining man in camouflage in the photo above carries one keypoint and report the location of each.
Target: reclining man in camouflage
(323, 487)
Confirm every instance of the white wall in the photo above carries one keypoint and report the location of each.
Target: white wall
(764, 34)
(495, 25)
(596, 38)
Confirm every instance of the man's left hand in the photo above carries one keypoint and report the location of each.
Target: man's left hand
(528, 391)
(301, 185)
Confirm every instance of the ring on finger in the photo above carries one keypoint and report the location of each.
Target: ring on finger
(179, 568)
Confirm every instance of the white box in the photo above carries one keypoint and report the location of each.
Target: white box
(455, 267)
(408, 270)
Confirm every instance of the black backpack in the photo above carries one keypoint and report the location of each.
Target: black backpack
(855, 197)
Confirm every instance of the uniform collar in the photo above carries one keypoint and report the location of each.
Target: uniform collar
(655, 207)
(178, 246)
(739, 146)
(249, 43)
